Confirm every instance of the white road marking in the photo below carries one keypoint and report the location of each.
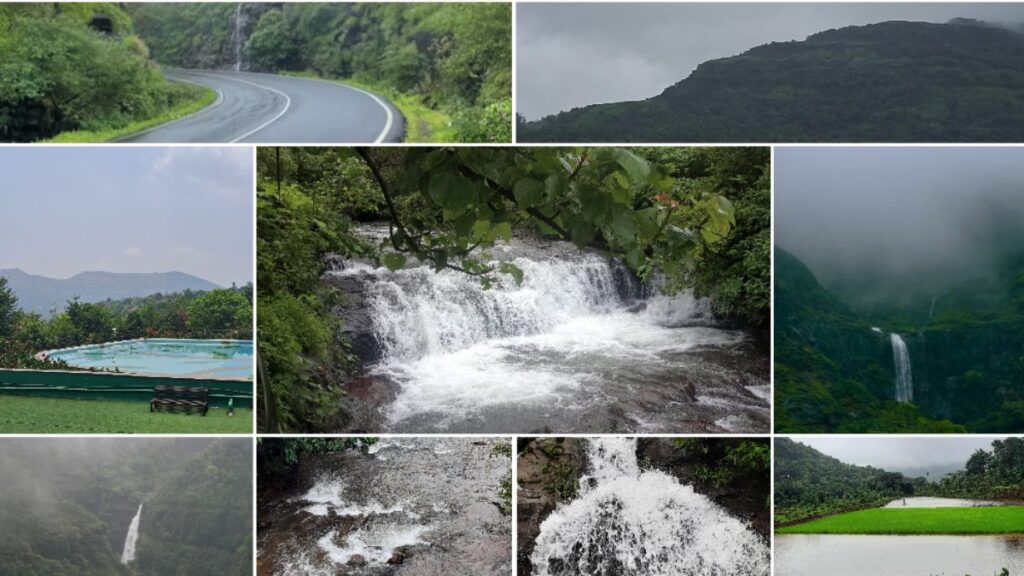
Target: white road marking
(287, 104)
(387, 110)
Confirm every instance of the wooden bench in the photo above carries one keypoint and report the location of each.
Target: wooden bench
(183, 398)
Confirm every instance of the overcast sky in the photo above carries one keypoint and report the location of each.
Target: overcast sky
(140, 209)
(905, 214)
(571, 55)
(897, 454)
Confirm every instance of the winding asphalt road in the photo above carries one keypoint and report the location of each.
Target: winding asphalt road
(266, 108)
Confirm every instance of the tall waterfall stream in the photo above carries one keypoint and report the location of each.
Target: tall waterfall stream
(631, 522)
(580, 346)
(128, 553)
(901, 362)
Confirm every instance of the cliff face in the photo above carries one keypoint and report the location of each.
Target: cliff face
(887, 82)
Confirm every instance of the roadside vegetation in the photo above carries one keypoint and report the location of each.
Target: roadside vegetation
(447, 67)
(76, 72)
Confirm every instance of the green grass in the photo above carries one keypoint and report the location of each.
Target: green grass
(31, 415)
(986, 520)
(203, 98)
(423, 124)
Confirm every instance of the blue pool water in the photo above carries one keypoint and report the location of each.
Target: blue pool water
(166, 357)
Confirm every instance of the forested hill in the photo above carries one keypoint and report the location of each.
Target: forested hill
(66, 505)
(889, 82)
(455, 58)
(809, 484)
(41, 294)
(833, 373)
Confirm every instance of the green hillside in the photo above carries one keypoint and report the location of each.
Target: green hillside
(832, 372)
(809, 484)
(889, 82)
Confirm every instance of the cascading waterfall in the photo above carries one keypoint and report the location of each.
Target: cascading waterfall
(418, 312)
(236, 38)
(128, 554)
(901, 361)
(630, 522)
(579, 340)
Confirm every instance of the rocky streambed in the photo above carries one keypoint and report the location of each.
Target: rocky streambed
(409, 507)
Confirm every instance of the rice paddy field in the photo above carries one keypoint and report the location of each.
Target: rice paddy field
(32, 415)
(981, 520)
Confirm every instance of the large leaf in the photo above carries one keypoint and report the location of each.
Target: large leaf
(393, 261)
(528, 192)
(512, 270)
(453, 193)
(638, 168)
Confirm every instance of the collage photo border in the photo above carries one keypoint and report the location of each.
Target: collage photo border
(771, 435)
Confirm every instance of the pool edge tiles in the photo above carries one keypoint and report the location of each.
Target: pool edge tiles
(168, 364)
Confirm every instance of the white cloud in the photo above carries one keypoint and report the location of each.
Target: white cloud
(133, 252)
(219, 170)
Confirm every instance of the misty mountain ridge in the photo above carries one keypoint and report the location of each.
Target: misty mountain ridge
(41, 294)
(894, 81)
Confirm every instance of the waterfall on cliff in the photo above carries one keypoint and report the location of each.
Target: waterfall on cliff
(630, 522)
(128, 554)
(236, 37)
(901, 361)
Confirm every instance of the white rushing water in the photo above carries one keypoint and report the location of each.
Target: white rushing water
(128, 554)
(236, 37)
(424, 503)
(579, 336)
(419, 313)
(630, 522)
(904, 377)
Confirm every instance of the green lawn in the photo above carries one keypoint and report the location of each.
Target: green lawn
(31, 415)
(989, 520)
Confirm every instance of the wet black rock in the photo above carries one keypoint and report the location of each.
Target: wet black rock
(356, 317)
(547, 468)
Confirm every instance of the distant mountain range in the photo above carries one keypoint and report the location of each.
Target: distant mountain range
(41, 294)
(897, 81)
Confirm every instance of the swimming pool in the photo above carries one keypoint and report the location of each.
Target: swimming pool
(165, 357)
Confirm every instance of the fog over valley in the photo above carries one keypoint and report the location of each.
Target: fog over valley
(888, 222)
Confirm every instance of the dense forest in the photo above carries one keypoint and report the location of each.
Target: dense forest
(888, 82)
(80, 67)
(67, 504)
(224, 313)
(834, 372)
(446, 66)
(694, 218)
(809, 484)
